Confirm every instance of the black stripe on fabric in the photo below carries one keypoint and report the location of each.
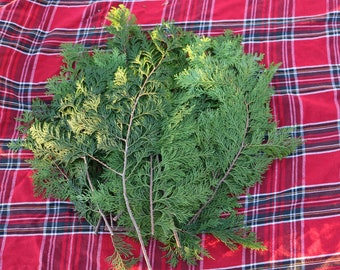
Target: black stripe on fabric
(296, 204)
(335, 73)
(254, 31)
(307, 80)
(47, 3)
(35, 41)
(59, 217)
(6, 164)
(326, 133)
(331, 261)
(327, 261)
(50, 218)
(260, 27)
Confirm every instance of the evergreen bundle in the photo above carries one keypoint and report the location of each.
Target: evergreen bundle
(156, 136)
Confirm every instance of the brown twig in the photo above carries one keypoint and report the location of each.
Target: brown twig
(96, 229)
(104, 164)
(117, 216)
(107, 224)
(126, 151)
(178, 243)
(111, 219)
(151, 199)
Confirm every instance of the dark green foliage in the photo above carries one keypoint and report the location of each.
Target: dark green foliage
(163, 130)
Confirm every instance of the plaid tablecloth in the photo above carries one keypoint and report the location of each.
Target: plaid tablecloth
(296, 209)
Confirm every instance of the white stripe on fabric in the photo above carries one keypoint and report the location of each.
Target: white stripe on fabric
(70, 256)
(274, 262)
(289, 10)
(7, 182)
(43, 242)
(335, 53)
(100, 244)
(249, 26)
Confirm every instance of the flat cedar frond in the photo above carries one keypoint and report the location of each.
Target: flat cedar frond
(157, 134)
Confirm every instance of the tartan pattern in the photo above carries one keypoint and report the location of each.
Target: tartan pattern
(296, 209)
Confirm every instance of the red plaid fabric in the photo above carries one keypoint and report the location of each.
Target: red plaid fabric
(296, 209)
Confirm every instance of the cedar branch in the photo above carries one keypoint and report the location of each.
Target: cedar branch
(242, 146)
(99, 210)
(126, 150)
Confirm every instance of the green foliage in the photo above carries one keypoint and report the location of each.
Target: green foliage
(163, 130)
